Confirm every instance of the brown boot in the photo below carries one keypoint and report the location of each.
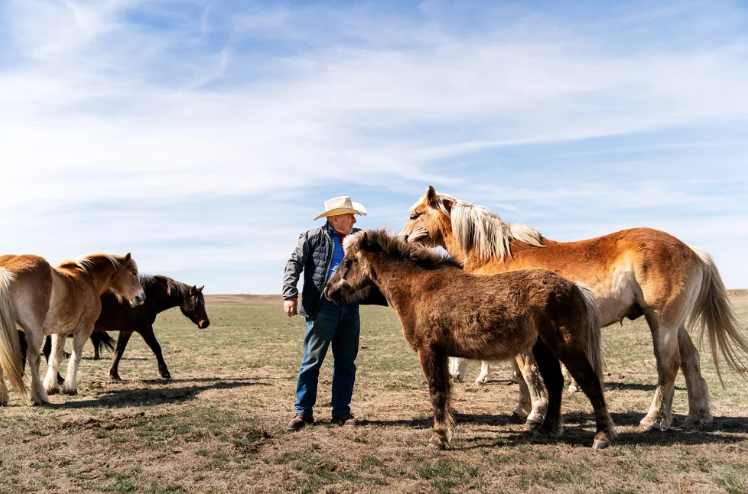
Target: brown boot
(345, 419)
(299, 421)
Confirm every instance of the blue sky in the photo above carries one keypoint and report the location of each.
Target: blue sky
(204, 136)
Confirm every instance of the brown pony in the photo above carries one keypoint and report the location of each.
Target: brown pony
(631, 273)
(43, 300)
(445, 311)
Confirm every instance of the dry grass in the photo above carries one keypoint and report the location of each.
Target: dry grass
(218, 426)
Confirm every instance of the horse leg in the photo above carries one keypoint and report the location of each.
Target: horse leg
(434, 365)
(667, 355)
(152, 342)
(51, 382)
(550, 369)
(79, 339)
(47, 350)
(458, 368)
(578, 365)
(524, 407)
(124, 337)
(535, 388)
(37, 394)
(485, 372)
(699, 409)
(573, 386)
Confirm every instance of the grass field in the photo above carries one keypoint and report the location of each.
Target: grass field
(219, 425)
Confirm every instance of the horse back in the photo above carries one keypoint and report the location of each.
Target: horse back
(32, 282)
(627, 270)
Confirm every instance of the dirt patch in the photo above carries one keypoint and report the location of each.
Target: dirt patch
(219, 424)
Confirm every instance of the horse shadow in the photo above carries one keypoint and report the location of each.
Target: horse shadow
(579, 430)
(621, 386)
(154, 396)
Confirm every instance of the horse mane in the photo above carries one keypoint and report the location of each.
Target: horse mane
(88, 261)
(172, 285)
(381, 241)
(479, 227)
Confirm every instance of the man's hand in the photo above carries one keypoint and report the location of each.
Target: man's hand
(291, 306)
(417, 234)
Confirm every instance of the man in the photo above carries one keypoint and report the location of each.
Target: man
(319, 253)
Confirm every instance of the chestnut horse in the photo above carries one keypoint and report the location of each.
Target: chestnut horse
(446, 311)
(631, 273)
(161, 293)
(43, 300)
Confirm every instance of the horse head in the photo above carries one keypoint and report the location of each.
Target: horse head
(353, 277)
(126, 283)
(193, 307)
(429, 220)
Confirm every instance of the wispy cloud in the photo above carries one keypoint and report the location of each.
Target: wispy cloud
(116, 117)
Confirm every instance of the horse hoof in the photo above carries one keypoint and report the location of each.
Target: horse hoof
(651, 426)
(573, 389)
(115, 378)
(439, 446)
(517, 418)
(533, 425)
(166, 375)
(70, 391)
(696, 422)
(600, 444)
(52, 391)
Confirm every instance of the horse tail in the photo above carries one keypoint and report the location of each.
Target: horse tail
(713, 314)
(10, 346)
(101, 339)
(592, 333)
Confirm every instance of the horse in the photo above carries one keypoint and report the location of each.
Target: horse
(162, 293)
(632, 273)
(43, 300)
(445, 311)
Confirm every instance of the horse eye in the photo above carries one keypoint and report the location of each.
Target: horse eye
(414, 216)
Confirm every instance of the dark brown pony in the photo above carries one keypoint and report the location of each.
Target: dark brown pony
(445, 311)
(161, 293)
(44, 300)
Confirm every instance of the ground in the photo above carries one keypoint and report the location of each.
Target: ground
(219, 424)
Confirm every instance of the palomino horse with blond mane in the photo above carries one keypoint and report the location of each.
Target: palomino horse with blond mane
(631, 273)
(41, 300)
(445, 311)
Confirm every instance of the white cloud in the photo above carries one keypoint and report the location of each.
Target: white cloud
(99, 108)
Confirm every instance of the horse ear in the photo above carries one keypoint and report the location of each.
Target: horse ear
(364, 241)
(193, 290)
(128, 257)
(201, 288)
(431, 195)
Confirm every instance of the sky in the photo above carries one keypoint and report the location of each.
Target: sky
(205, 136)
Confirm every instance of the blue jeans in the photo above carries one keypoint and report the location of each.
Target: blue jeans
(340, 325)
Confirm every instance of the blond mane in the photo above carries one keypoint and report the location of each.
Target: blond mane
(87, 262)
(481, 228)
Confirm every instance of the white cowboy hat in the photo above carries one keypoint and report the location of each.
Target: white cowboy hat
(342, 205)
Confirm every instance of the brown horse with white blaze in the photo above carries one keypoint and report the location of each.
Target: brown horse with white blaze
(43, 300)
(633, 272)
(446, 311)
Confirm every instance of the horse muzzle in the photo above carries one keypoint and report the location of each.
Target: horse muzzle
(138, 300)
(338, 292)
(203, 323)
